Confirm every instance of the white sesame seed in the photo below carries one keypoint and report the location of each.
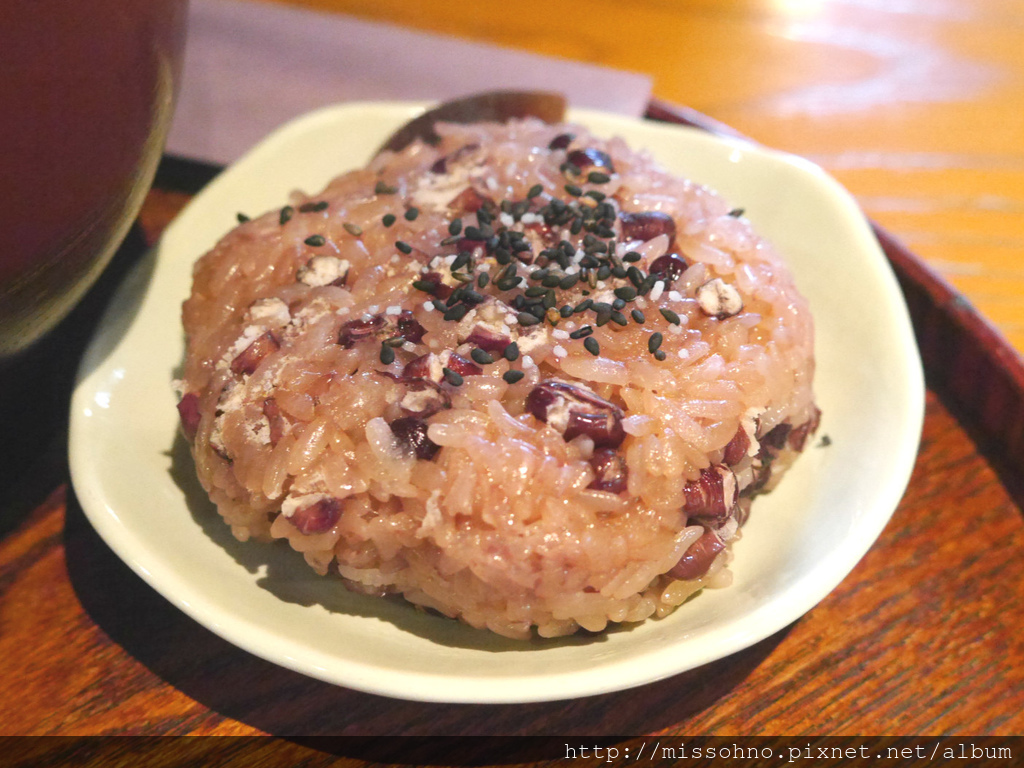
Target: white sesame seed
(428, 306)
(657, 290)
(558, 333)
(394, 309)
(395, 259)
(559, 351)
(506, 219)
(528, 362)
(675, 329)
(373, 309)
(675, 296)
(684, 353)
(409, 346)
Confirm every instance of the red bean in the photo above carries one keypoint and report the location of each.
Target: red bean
(487, 339)
(713, 495)
(248, 360)
(188, 413)
(798, 436)
(670, 266)
(574, 411)
(610, 469)
(590, 158)
(274, 418)
(737, 448)
(317, 517)
(647, 225)
(354, 331)
(411, 432)
(696, 561)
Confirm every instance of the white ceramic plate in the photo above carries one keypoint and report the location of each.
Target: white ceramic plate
(134, 479)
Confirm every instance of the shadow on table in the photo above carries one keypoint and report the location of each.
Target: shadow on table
(278, 701)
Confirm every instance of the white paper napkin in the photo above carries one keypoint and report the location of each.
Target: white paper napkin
(251, 66)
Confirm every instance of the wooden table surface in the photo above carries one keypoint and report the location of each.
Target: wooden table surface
(918, 107)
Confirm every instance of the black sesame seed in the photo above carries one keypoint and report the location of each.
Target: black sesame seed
(604, 272)
(383, 189)
(480, 356)
(457, 312)
(535, 190)
(482, 280)
(461, 277)
(595, 195)
(592, 346)
(286, 215)
(636, 277)
(603, 317)
(535, 291)
(619, 304)
(461, 260)
(737, 212)
(565, 311)
(320, 205)
(551, 280)
(596, 177)
(508, 283)
(242, 218)
(538, 274)
(619, 318)
(512, 376)
(660, 354)
(573, 190)
(526, 319)
(483, 232)
(619, 271)
(387, 354)
(583, 306)
(626, 292)
(631, 257)
(638, 316)
(576, 226)
(669, 315)
(389, 219)
(654, 342)
(352, 229)
(403, 247)
(472, 297)
(454, 227)
(502, 256)
(411, 214)
(394, 341)
(483, 217)
(427, 286)
(581, 333)
(511, 352)
(452, 377)
(315, 240)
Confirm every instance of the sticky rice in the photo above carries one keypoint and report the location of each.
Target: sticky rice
(525, 378)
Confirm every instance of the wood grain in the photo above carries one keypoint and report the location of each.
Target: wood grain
(924, 635)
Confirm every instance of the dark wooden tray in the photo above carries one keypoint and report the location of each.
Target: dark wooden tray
(922, 637)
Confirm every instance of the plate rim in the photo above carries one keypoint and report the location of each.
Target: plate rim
(512, 689)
